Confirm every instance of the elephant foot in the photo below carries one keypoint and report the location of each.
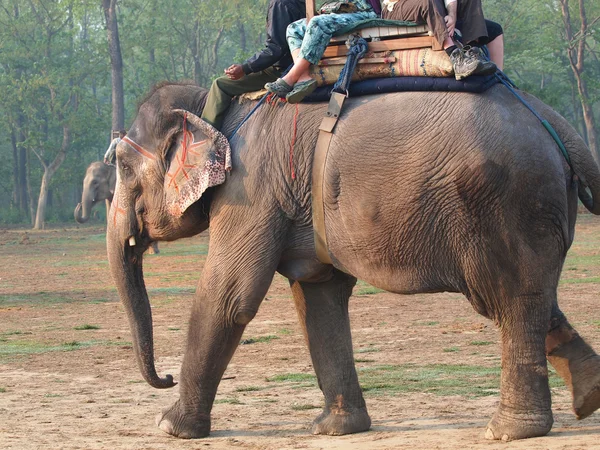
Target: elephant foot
(586, 388)
(185, 426)
(511, 426)
(338, 421)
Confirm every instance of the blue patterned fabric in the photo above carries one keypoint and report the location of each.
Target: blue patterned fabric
(312, 39)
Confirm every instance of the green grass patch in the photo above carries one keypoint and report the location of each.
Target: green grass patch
(480, 343)
(258, 340)
(439, 379)
(363, 288)
(304, 407)
(579, 280)
(12, 349)
(248, 389)
(367, 350)
(292, 378)
(173, 328)
(360, 360)
(2, 390)
(230, 401)
(171, 290)
(86, 326)
(451, 349)
(285, 331)
(429, 323)
(16, 333)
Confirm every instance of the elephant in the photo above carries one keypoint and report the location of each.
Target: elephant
(423, 192)
(98, 185)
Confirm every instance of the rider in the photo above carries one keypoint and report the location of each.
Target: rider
(110, 157)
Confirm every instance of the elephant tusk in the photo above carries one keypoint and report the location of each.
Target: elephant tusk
(132, 241)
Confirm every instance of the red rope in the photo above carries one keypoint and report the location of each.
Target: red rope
(184, 152)
(295, 128)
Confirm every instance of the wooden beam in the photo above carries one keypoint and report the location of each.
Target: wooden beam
(381, 46)
(310, 9)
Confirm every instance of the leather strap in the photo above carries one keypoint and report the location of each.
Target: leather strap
(318, 172)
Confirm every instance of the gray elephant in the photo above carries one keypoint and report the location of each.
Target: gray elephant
(423, 192)
(98, 185)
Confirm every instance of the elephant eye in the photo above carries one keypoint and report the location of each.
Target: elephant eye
(126, 168)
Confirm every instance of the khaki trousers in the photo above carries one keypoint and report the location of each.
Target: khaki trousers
(224, 89)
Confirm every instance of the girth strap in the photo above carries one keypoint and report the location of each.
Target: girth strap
(318, 173)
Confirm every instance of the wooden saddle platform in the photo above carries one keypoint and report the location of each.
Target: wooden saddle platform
(379, 39)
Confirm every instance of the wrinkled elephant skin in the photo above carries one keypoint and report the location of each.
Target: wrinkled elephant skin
(423, 192)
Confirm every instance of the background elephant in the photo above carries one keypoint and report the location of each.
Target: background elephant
(423, 192)
(98, 185)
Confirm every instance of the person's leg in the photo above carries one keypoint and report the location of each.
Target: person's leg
(471, 22)
(496, 49)
(496, 44)
(314, 38)
(224, 89)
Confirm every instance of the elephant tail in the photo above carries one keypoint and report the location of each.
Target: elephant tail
(585, 169)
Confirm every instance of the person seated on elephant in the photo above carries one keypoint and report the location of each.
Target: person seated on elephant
(308, 41)
(495, 45)
(264, 66)
(441, 17)
(110, 157)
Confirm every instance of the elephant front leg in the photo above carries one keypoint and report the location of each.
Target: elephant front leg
(525, 403)
(211, 344)
(576, 362)
(323, 313)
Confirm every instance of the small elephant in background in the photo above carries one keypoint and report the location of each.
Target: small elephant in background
(99, 185)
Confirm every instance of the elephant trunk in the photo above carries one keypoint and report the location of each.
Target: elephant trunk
(79, 217)
(83, 209)
(125, 260)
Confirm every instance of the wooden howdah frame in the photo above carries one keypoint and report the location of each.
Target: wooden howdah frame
(380, 39)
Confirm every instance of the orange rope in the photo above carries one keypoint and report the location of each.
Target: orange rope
(295, 131)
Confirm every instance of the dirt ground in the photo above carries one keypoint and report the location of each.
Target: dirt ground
(429, 364)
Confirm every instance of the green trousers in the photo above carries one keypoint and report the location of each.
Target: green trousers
(223, 90)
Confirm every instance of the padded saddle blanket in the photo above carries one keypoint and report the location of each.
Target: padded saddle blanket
(473, 84)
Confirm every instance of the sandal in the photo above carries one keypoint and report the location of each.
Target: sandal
(301, 90)
(279, 87)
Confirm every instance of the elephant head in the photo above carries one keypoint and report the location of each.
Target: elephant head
(98, 185)
(164, 166)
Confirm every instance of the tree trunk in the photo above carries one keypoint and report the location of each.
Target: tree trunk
(576, 54)
(16, 201)
(29, 190)
(24, 193)
(49, 171)
(116, 62)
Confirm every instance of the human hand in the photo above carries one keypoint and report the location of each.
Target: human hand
(234, 72)
(450, 24)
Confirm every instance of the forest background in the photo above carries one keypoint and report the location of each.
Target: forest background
(56, 89)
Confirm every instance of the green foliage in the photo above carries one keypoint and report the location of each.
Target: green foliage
(55, 72)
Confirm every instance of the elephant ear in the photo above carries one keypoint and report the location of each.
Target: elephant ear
(201, 159)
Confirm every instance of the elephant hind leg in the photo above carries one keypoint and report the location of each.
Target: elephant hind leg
(323, 312)
(576, 363)
(525, 403)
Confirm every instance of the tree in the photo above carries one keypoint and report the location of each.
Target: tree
(116, 63)
(576, 51)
